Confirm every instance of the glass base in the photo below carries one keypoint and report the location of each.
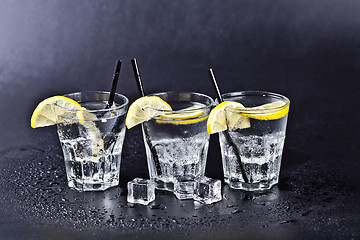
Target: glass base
(184, 187)
(184, 196)
(161, 185)
(91, 186)
(259, 186)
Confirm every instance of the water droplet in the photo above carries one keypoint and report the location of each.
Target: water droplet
(236, 211)
(131, 205)
(157, 206)
(288, 221)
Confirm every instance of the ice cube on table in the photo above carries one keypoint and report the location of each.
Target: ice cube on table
(207, 190)
(183, 187)
(141, 191)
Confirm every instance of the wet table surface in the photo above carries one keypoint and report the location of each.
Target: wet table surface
(317, 196)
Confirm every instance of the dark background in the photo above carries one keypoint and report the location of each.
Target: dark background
(308, 51)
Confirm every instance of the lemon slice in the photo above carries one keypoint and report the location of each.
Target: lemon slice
(87, 119)
(184, 116)
(183, 122)
(238, 118)
(269, 111)
(44, 114)
(84, 115)
(144, 108)
(220, 120)
(186, 113)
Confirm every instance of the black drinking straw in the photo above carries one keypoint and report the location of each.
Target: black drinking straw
(112, 96)
(137, 77)
(226, 132)
(146, 132)
(114, 83)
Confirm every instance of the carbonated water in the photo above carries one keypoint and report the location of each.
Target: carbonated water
(176, 150)
(260, 149)
(92, 148)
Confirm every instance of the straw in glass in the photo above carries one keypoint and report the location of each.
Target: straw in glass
(112, 96)
(146, 132)
(114, 83)
(226, 132)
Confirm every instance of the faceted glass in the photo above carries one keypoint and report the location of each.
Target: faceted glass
(92, 140)
(259, 147)
(176, 147)
(183, 187)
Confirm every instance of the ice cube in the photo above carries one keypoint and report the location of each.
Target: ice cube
(183, 187)
(141, 191)
(207, 190)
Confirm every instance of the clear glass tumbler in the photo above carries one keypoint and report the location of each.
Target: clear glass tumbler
(92, 140)
(258, 148)
(177, 141)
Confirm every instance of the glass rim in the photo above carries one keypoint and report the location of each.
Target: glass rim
(255, 93)
(207, 106)
(126, 102)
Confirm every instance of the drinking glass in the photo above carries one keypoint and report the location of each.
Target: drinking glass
(91, 139)
(258, 148)
(177, 141)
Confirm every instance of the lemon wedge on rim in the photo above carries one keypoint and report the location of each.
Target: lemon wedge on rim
(44, 114)
(186, 113)
(269, 111)
(238, 116)
(145, 108)
(184, 116)
(183, 122)
(219, 120)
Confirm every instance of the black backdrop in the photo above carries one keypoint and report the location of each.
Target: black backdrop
(306, 50)
(255, 44)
